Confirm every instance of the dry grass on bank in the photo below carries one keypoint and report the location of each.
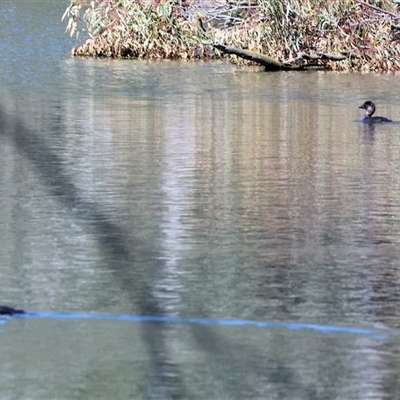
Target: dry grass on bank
(135, 29)
(367, 33)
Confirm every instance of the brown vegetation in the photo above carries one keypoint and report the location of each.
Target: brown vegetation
(357, 35)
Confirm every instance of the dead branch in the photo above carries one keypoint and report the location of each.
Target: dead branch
(269, 63)
(273, 65)
(378, 9)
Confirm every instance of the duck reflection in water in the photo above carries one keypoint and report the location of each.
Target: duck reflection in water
(369, 108)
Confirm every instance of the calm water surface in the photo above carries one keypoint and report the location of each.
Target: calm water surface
(193, 190)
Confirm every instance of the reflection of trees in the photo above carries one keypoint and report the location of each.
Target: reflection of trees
(226, 206)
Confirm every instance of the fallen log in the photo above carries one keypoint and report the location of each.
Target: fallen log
(321, 56)
(271, 64)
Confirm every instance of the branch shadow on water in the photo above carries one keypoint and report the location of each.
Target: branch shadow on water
(110, 238)
(164, 377)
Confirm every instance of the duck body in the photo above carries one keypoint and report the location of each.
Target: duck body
(5, 310)
(376, 120)
(369, 108)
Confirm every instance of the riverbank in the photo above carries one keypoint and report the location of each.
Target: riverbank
(365, 36)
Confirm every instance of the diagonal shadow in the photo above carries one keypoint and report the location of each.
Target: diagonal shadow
(164, 376)
(110, 238)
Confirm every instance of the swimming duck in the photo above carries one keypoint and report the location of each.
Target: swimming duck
(5, 310)
(369, 108)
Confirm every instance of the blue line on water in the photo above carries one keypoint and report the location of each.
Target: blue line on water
(377, 333)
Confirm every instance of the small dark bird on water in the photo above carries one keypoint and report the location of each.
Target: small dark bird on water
(369, 108)
(5, 310)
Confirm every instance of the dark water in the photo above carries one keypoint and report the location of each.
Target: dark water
(134, 192)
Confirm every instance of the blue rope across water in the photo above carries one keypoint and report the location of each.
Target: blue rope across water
(377, 333)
